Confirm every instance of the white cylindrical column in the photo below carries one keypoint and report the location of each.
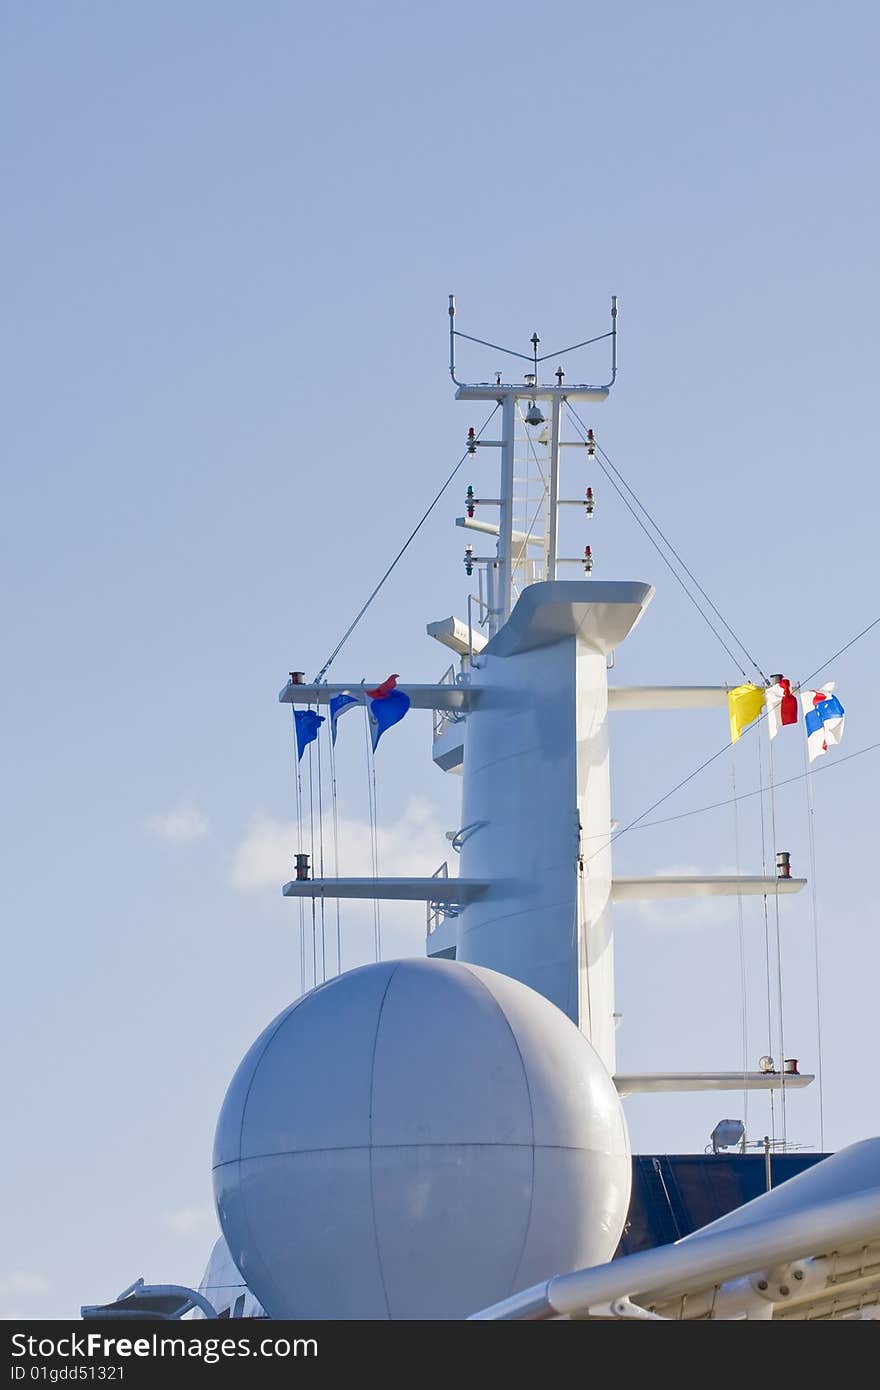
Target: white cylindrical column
(536, 789)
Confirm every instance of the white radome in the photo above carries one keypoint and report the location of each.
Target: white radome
(418, 1139)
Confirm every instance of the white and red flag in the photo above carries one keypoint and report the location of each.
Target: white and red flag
(781, 706)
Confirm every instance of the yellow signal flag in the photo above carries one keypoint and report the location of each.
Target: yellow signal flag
(744, 704)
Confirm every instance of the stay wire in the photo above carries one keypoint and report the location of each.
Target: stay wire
(334, 800)
(811, 838)
(759, 791)
(312, 850)
(631, 825)
(529, 357)
(374, 854)
(770, 1047)
(666, 541)
(376, 841)
(676, 576)
(321, 860)
(845, 648)
(401, 552)
(584, 937)
(741, 936)
(299, 835)
(779, 989)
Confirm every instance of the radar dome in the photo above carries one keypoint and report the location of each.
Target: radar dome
(418, 1139)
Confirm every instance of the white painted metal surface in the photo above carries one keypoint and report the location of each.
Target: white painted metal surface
(660, 697)
(661, 1083)
(455, 634)
(434, 696)
(447, 749)
(487, 392)
(543, 679)
(489, 528)
(446, 890)
(697, 886)
(601, 614)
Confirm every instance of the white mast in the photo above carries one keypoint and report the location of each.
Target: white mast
(526, 722)
(511, 560)
(536, 774)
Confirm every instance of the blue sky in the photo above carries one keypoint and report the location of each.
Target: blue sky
(230, 231)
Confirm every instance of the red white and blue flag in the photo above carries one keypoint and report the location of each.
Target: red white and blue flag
(823, 715)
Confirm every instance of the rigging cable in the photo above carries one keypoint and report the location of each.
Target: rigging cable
(744, 796)
(774, 845)
(401, 552)
(643, 509)
(371, 803)
(376, 841)
(770, 1048)
(584, 937)
(812, 852)
(744, 1013)
(299, 833)
(631, 825)
(845, 648)
(811, 837)
(321, 858)
(312, 852)
(335, 847)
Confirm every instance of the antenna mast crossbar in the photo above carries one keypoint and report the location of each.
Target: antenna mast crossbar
(511, 558)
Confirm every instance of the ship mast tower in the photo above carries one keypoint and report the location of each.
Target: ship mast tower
(531, 415)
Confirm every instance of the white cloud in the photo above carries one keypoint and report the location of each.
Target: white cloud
(23, 1282)
(414, 844)
(178, 826)
(411, 845)
(190, 1221)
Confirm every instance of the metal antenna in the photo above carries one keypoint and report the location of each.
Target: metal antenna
(505, 570)
(535, 359)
